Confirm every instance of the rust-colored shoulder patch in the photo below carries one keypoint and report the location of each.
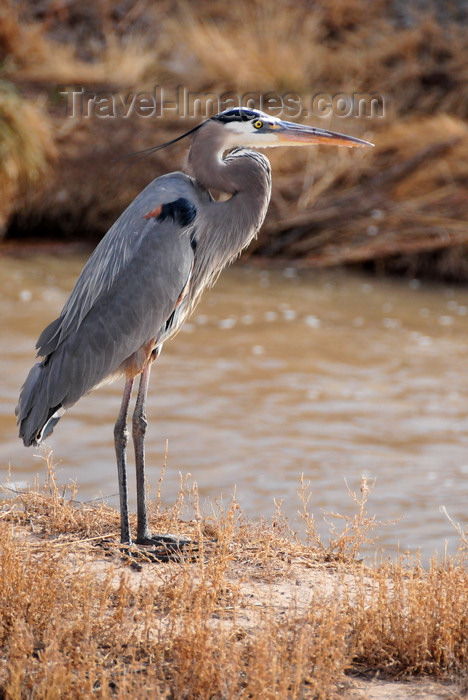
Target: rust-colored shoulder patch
(136, 363)
(154, 213)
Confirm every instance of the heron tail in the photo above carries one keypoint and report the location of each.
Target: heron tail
(35, 417)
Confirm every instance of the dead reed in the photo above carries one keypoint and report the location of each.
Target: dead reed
(403, 204)
(27, 148)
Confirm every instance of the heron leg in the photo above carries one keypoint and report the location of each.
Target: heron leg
(139, 431)
(168, 543)
(120, 441)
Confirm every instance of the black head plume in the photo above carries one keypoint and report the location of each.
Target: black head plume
(140, 155)
(238, 114)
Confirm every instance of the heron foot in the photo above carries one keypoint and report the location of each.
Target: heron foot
(163, 548)
(166, 540)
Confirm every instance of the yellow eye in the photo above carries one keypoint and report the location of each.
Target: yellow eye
(258, 124)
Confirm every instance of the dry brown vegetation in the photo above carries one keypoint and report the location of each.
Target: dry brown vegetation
(27, 148)
(403, 204)
(250, 612)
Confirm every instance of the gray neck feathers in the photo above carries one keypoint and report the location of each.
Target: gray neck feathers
(225, 228)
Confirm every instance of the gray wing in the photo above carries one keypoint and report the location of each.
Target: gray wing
(119, 247)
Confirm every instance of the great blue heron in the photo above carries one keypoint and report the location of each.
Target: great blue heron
(147, 274)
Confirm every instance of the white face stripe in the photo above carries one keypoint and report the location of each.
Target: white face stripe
(244, 133)
(243, 127)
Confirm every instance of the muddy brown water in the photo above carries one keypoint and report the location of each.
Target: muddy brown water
(277, 374)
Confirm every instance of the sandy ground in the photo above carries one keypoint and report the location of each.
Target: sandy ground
(385, 690)
(304, 581)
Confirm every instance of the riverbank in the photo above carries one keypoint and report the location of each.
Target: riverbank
(400, 207)
(249, 611)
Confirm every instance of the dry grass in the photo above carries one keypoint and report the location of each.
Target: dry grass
(414, 621)
(27, 148)
(253, 613)
(29, 53)
(346, 544)
(402, 202)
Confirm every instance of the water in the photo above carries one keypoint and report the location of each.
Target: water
(278, 374)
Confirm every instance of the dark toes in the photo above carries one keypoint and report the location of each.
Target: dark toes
(163, 548)
(171, 542)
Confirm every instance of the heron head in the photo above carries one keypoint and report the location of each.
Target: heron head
(253, 128)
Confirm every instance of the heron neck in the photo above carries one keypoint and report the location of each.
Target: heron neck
(244, 174)
(225, 228)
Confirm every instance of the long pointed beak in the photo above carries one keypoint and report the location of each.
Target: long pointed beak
(300, 135)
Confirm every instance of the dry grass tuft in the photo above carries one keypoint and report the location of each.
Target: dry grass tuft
(252, 613)
(414, 621)
(27, 147)
(54, 512)
(251, 37)
(344, 545)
